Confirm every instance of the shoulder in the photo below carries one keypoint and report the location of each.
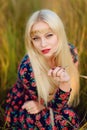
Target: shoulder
(25, 60)
(74, 52)
(24, 67)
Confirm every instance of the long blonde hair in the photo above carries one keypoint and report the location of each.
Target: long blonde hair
(46, 84)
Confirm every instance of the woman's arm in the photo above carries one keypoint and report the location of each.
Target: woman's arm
(23, 90)
(62, 95)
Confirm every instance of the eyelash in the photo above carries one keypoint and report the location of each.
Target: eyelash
(37, 38)
(49, 35)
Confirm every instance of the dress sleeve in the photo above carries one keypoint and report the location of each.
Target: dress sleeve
(26, 77)
(60, 100)
(23, 90)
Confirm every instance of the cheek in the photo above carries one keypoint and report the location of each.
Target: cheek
(54, 40)
(36, 46)
(55, 43)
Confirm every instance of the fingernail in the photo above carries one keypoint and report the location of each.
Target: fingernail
(53, 68)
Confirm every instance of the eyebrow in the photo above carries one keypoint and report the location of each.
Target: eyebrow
(40, 31)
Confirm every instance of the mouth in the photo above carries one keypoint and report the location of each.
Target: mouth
(45, 51)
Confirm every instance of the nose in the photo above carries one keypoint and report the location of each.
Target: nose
(43, 42)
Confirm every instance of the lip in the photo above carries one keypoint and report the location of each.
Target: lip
(45, 51)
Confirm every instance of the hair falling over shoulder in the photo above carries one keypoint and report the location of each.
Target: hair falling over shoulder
(45, 84)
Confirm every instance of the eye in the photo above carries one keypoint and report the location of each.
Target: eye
(35, 38)
(49, 35)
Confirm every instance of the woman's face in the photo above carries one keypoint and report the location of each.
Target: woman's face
(44, 39)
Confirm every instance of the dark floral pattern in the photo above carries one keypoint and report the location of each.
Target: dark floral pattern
(24, 90)
(74, 53)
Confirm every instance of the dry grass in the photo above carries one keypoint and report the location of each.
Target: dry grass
(13, 16)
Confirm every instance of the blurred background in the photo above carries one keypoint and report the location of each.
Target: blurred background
(13, 17)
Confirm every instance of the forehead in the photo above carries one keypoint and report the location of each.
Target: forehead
(40, 27)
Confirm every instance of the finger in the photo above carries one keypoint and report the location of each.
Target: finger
(52, 72)
(55, 71)
(59, 72)
(26, 105)
(30, 109)
(64, 77)
(57, 79)
(33, 110)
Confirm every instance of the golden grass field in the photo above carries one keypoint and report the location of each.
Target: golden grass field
(13, 17)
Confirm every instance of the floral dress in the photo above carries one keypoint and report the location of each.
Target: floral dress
(25, 90)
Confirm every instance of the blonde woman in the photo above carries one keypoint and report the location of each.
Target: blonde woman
(48, 80)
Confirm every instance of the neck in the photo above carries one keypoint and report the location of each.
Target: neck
(51, 62)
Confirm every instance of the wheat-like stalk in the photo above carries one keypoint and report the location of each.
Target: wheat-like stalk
(83, 76)
(84, 127)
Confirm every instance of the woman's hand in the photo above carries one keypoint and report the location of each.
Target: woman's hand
(59, 74)
(32, 107)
